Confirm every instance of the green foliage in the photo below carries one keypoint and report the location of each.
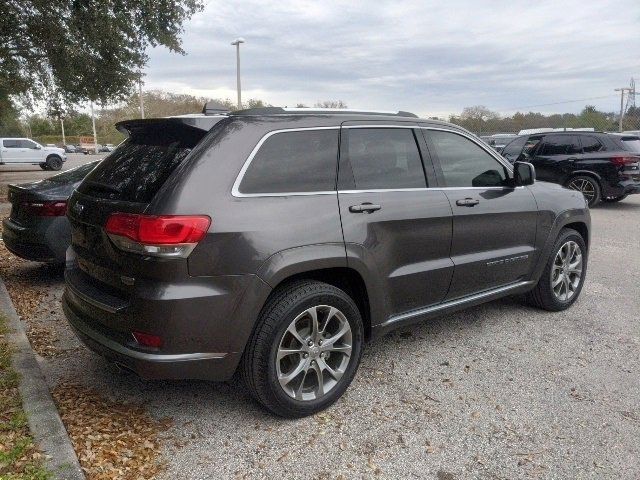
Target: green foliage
(67, 51)
(481, 120)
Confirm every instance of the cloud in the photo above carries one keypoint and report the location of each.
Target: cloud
(427, 57)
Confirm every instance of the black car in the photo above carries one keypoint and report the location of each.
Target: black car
(275, 242)
(37, 228)
(603, 166)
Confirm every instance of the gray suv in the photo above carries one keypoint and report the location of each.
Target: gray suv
(275, 242)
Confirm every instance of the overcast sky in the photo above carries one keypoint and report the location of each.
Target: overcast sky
(432, 58)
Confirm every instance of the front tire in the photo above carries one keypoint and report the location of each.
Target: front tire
(563, 276)
(305, 349)
(588, 186)
(44, 166)
(54, 162)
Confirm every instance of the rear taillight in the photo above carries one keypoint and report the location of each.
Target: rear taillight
(45, 209)
(160, 236)
(624, 161)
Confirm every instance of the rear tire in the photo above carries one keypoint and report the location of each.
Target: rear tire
(614, 199)
(561, 283)
(588, 186)
(54, 162)
(325, 353)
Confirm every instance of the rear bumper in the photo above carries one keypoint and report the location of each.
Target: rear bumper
(204, 323)
(624, 187)
(45, 242)
(204, 366)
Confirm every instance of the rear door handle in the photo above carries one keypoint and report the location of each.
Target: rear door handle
(364, 208)
(467, 202)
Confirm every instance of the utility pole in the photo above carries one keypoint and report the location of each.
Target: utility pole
(93, 123)
(64, 141)
(237, 43)
(140, 94)
(622, 90)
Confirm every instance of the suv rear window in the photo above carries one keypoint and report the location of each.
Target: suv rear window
(632, 144)
(136, 170)
(290, 162)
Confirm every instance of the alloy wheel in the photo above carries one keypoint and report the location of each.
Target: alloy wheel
(314, 353)
(586, 187)
(567, 271)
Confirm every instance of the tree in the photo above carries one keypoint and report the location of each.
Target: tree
(68, 51)
(331, 104)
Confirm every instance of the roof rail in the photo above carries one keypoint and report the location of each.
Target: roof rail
(317, 111)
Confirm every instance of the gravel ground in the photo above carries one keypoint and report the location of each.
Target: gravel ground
(497, 391)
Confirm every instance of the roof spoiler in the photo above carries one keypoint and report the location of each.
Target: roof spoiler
(214, 108)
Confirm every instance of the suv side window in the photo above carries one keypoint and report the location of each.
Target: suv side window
(591, 145)
(560, 145)
(382, 158)
(464, 163)
(298, 161)
(11, 143)
(513, 148)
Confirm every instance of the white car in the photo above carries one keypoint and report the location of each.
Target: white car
(26, 151)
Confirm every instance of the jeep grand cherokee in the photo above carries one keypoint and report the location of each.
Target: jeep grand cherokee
(275, 242)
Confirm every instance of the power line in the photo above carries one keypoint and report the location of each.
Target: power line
(560, 103)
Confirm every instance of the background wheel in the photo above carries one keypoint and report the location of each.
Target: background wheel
(54, 162)
(44, 166)
(305, 349)
(588, 186)
(614, 199)
(563, 276)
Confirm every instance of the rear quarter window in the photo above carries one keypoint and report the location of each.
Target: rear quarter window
(631, 144)
(291, 162)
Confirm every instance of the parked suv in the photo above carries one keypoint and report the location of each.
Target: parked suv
(602, 166)
(276, 241)
(24, 150)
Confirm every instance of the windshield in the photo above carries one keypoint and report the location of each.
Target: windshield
(74, 175)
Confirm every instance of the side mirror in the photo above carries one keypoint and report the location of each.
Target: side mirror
(37, 147)
(523, 174)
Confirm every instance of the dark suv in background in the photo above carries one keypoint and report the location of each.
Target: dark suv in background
(603, 166)
(276, 241)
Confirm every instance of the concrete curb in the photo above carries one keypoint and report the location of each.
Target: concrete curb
(44, 421)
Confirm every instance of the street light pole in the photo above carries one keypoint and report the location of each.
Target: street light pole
(64, 140)
(93, 123)
(622, 90)
(237, 43)
(140, 94)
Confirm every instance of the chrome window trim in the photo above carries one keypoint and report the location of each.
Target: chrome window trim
(235, 190)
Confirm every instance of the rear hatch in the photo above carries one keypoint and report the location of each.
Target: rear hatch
(126, 183)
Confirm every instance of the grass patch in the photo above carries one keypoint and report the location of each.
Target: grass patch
(19, 457)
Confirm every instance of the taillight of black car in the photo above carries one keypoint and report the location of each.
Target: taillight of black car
(45, 209)
(157, 235)
(625, 161)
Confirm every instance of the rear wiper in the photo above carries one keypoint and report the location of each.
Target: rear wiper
(103, 186)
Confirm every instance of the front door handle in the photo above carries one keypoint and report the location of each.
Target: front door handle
(364, 208)
(467, 202)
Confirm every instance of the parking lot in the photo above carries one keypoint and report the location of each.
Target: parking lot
(497, 391)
